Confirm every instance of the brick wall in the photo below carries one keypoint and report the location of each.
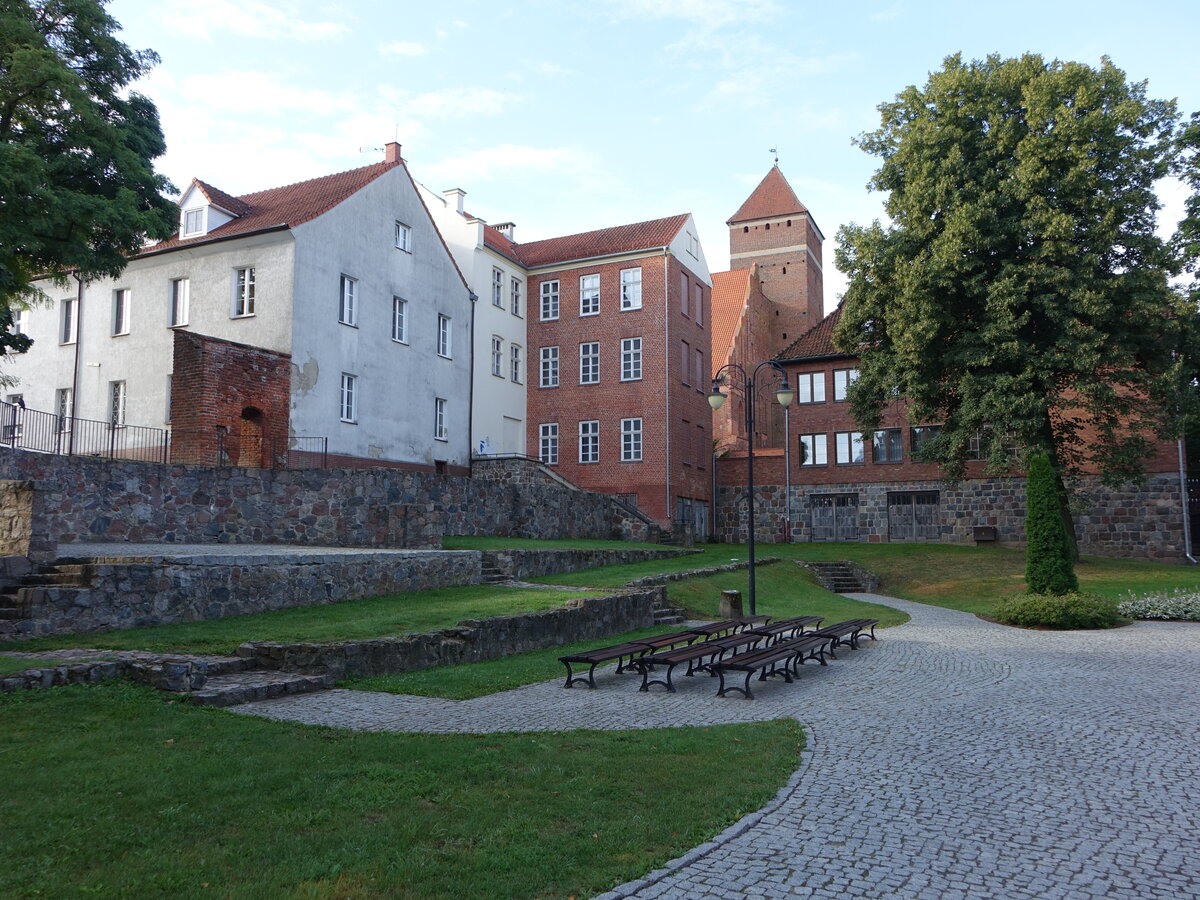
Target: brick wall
(790, 277)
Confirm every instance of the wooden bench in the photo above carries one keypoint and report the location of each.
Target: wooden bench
(631, 649)
(694, 655)
(776, 631)
(781, 659)
(847, 633)
(730, 626)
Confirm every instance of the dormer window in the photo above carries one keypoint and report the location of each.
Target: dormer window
(193, 222)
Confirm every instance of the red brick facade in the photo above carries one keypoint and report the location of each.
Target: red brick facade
(229, 401)
(668, 398)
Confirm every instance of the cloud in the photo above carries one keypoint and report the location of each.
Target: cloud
(403, 48)
(490, 162)
(257, 92)
(448, 103)
(707, 14)
(252, 18)
(889, 13)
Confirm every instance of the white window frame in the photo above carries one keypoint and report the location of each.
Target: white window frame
(631, 288)
(348, 301)
(849, 449)
(399, 320)
(116, 404)
(548, 443)
(810, 387)
(631, 359)
(549, 368)
(192, 216)
(842, 379)
(244, 289)
(68, 322)
(440, 431)
(444, 337)
(631, 440)
(348, 406)
(64, 409)
(179, 302)
(550, 298)
(589, 442)
(497, 287)
(515, 295)
(589, 362)
(589, 295)
(122, 304)
(497, 356)
(816, 449)
(403, 237)
(516, 363)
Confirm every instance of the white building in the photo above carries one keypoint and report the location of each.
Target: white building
(487, 257)
(346, 274)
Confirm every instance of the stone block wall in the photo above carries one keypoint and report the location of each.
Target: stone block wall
(16, 517)
(517, 564)
(1140, 522)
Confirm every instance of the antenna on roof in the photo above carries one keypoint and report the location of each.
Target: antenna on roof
(776, 152)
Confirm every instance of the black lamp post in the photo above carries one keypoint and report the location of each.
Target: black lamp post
(785, 395)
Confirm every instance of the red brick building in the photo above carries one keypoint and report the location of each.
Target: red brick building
(619, 364)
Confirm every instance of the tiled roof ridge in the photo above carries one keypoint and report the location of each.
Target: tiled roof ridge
(381, 166)
(816, 342)
(682, 217)
(615, 239)
(220, 198)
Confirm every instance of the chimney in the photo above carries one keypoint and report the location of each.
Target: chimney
(455, 196)
(391, 152)
(508, 229)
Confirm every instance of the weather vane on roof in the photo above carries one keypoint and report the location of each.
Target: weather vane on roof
(776, 152)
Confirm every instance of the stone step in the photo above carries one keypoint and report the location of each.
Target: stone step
(669, 620)
(257, 684)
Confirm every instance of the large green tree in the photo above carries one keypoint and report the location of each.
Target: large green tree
(78, 191)
(1019, 292)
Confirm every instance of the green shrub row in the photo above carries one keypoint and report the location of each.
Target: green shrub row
(1181, 603)
(1074, 610)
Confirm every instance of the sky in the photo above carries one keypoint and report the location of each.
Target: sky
(565, 116)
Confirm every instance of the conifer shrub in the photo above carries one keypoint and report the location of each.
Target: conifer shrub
(1049, 568)
(1073, 610)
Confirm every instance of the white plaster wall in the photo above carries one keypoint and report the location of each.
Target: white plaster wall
(143, 357)
(498, 417)
(693, 261)
(397, 382)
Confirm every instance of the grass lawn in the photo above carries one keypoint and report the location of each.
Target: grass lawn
(112, 791)
(11, 664)
(352, 620)
(504, 543)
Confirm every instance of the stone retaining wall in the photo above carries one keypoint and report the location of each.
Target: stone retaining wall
(166, 590)
(518, 564)
(472, 641)
(700, 573)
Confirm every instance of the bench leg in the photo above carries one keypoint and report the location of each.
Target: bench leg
(723, 690)
(646, 682)
(590, 681)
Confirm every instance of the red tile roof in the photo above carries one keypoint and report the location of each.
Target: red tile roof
(773, 197)
(604, 242)
(498, 242)
(817, 342)
(730, 295)
(219, 198)
(277, 208)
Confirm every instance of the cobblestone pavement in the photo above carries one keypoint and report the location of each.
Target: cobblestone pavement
(952, 759)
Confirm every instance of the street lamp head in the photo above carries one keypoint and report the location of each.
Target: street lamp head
(785, 395)
(715, 398)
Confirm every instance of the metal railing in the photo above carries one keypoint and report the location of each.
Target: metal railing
(43, 432)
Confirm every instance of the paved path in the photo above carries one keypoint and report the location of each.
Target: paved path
(952, 759)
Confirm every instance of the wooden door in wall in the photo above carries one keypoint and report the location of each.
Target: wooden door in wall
(914, 516)
(835, 517)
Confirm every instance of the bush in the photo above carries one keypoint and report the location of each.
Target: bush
(1049, 568)
(1073, 610)
(1178, 604)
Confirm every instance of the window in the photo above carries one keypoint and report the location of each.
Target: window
(589, 442)
(440, 433)
(549, 300)
(13, 424)
(516, 296)
(497, 357)
(685, 366)
(589, 363)
(685, 292)
(631, 288)
(700, 379)
(443, 336)
(20, 322)
(693, 245)
(348, 307)
(698, 303)
(69, 325)
(181, 291)
(349, 402)
(403, 237)
(193, 222)
(518, 366)
(842, 379)
(810, 387)
(922, 435)
(548, 443)
(549, 377)
(170, 385)
(631, 359)
(64, 408)
(814, 450)
(631, 440)
(116, 404)
(889, 446)
(589, 295)
(849, 448)
(400, 320)
(497, 287)
(120, 320)
(243, 292)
